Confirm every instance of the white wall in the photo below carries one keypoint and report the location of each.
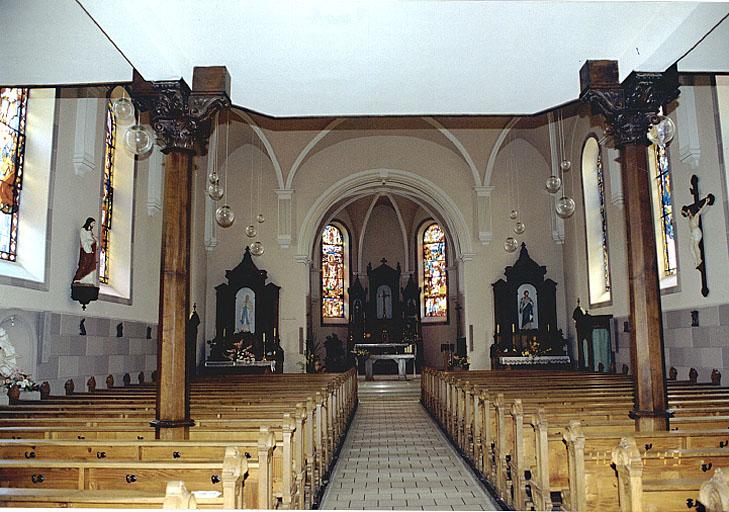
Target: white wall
(73, 198)
(695, 150)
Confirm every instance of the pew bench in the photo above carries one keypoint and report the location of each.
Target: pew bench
(226, 477)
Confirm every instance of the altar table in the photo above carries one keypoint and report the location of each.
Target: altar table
(401, 361)
(240, 364)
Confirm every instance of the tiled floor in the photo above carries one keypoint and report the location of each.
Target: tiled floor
(395, 457)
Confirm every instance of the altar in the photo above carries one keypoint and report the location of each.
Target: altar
(525, 318)
(401, 359)
(405, 352)
(536, 362)
(263, 366)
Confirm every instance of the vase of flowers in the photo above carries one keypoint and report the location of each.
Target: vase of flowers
(15, 381)
(240, 353)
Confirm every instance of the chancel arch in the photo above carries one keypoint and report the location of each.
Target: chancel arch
(397, 182)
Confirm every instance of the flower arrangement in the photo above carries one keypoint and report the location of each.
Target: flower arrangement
(459, 362)
(532, 350)
(361, 352)
(240, 353)
(20, 379)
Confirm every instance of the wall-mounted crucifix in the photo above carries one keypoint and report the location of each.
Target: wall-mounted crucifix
(693, 213)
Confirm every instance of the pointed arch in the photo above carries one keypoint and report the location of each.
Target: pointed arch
(266, 143)
(459, 146)
(308, 148)
(489, 171)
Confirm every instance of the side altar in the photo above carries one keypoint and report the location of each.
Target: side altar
(525, 314)
(246, 321)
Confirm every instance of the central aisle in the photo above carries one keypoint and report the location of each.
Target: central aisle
(395, 457)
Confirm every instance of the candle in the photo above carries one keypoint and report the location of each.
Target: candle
(264, 337)
(274, 332)
(513, 328)
(497, 328)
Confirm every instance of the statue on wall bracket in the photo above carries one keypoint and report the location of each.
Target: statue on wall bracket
(85, 285)
(693, 213)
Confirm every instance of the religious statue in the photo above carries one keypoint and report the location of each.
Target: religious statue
(526, 309)
(357, 313)
(86, 272)
(693, 213)
(245, 319)
(8, 357)
(85, 285)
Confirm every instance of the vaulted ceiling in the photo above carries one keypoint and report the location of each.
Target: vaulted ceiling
(292, 58)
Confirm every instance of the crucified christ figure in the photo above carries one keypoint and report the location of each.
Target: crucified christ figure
(693, 213)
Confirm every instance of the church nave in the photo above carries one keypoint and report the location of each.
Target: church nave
(395, 457)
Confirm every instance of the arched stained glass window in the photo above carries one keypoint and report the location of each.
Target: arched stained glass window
(435, 277)
(333, 273)
(661, 184)
(107, 194)
(13, 106)
(596, 230)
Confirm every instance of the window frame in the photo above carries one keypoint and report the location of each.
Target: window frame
(120, 288)
(32, 267)
(107, 183)
(667, 283)
(606, 295)
(11, 255)
(347, 264)
(420, 244)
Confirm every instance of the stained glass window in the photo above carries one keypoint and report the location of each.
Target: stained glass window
(435, 277)
(13, 105)
(663, 208)
(596, 227)
(332, 272)
(107, 194)
(603, 223)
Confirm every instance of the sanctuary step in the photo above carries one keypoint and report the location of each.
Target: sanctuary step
(388, 387)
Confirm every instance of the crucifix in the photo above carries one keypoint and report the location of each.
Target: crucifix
(385, 311)
(693, 213)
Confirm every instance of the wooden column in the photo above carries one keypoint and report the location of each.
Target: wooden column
(647, 359)
(173, 401)
(181, 120)
(629, 109)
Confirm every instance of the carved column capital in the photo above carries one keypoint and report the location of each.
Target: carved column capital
(629, 108)
(179, 116)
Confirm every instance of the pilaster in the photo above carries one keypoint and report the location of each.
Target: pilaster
(483, 215)
(87, 141)
(285, 214)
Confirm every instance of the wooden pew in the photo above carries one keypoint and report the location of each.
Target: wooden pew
(479, 412)
(226, 476)
(308, 435)
(176, 497)
(664, 481)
